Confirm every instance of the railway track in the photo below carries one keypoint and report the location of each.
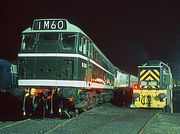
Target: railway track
(148, 122)
(102, 128)
(59, 125)
(98, 120)
(11, 124)
(31, 126)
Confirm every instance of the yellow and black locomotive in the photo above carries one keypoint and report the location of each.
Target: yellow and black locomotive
(154, 88)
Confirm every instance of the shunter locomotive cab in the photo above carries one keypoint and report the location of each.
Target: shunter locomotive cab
(155, 86)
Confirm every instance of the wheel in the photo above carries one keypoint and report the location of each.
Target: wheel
(57, 105)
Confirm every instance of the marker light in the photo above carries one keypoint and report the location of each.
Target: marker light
(136, 86)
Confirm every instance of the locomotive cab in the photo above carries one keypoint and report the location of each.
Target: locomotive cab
(39, 66)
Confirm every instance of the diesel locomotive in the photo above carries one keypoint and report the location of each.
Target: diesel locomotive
(62, 71)
(8, 84)
(155, 87)
(8, 76)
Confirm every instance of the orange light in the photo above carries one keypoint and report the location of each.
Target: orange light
(136, 86)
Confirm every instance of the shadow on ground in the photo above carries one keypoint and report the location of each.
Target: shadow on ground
(176, 100)
(10, 107)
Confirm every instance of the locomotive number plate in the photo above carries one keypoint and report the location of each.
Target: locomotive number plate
(49, 25)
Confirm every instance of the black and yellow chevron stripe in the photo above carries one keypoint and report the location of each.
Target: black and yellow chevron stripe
(150, 75)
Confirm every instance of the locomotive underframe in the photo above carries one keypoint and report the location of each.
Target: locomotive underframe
(60, 101)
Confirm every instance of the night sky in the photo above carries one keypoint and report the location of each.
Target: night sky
(128, 33)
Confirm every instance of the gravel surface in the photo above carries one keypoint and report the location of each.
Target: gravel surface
(164, 124)
(30, 126)
(107, 119)
(104, 119)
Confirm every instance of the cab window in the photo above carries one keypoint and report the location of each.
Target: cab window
(48, 36)
(28, 41)
(68, 41)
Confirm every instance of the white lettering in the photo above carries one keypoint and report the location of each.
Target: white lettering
(84, 65)
(53, 25)
(46, 24)
(60, 24)
(49, 25)
(39, 25)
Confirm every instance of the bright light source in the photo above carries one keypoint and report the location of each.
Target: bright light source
(136, 86)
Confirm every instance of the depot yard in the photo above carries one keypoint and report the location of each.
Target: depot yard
(164, 124)
(104, 119)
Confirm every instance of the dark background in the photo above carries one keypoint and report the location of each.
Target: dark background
(129, 33)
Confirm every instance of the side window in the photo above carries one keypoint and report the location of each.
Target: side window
(98, 58)
(81, 45)
(89, 49)
(97, 55)
(94, 54)
(85, 46)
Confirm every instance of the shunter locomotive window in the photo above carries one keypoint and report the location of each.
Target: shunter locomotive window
(28, 41)
(68, 41)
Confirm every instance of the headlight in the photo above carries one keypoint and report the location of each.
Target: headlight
(33, 91)
(161, 95)
(136, 95)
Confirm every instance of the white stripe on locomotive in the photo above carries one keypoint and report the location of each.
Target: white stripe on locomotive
(62, 55)
(62, 83)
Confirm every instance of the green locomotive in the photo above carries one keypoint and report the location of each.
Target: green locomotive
(61, 70)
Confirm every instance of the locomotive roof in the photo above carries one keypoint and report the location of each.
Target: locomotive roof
(4, 62)
(70, 28)
(155, 63)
